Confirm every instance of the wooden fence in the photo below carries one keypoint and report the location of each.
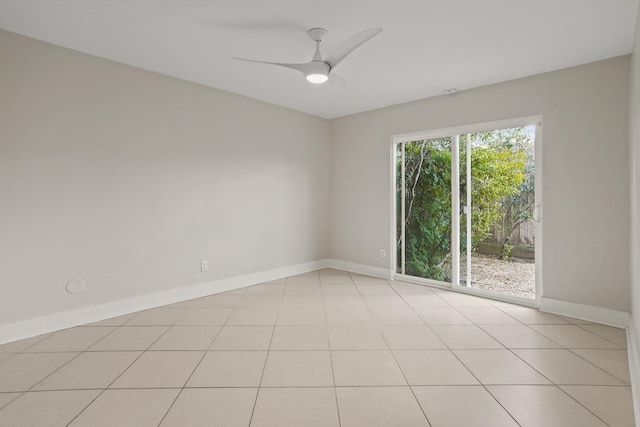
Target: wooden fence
(522, 234)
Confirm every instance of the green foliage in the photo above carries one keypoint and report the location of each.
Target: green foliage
(428, 225)
(498, 171)
(506, 252)
(498, 162)
(518, 207)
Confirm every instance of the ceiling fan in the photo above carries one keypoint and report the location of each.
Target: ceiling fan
(317, 71)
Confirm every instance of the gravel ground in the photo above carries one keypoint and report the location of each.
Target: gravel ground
(514, 277)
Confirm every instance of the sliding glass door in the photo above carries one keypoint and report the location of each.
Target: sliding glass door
(466, 209)
(424, 220)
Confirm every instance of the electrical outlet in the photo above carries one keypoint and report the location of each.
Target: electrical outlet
(383, 253)
(203, 265)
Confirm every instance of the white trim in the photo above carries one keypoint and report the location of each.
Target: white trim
(539, 203)
(351, 267)
(634, 368)
(393, 238)
(81, 316)
(454, 133)
(525, 302)
(422, 281)
(403, 233)
(468, 205)
(473, 128)
(455, 210)
(496, 296)
(591, 313)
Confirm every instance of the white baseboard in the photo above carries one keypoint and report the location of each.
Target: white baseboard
(634, 368)
(81, 316)
(352, 267)
(67, 319)
(605, 316)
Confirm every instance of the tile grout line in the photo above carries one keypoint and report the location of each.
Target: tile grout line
(484, 386)
(117, 376)
(393, 356)
(572, 351)
(408, 384)
(326, 326)
(333, 374)
(579, 403)
(68, 361)
(553, 384)
(204, 353)
(581, 326)
(264, 366)
(142, 352)
(19, 394)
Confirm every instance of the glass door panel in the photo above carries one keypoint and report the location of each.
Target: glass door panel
(497, 211)
(424, 202)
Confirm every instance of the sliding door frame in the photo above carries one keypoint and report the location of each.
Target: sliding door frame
(453, 133)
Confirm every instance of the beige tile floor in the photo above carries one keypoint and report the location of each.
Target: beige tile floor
(322, 349)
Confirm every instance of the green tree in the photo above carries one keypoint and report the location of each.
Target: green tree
(498, 164)
(428, 225)
(518, 207)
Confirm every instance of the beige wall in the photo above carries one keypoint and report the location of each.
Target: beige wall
(586, 173)
(128, 179)
(635, 187)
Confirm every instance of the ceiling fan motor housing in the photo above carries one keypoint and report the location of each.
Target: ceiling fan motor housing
(317, 71)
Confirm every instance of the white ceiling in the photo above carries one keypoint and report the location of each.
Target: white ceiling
(427, 46)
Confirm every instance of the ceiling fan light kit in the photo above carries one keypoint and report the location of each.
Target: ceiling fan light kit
(317, 71)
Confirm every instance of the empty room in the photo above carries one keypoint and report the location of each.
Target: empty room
(319, 213)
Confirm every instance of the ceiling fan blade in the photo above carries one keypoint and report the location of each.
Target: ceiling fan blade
(303, 68)
(339, 52)
(337, 80)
